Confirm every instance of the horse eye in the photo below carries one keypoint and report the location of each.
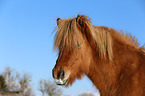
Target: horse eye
(78, 44)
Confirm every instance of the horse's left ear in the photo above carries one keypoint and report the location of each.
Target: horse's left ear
(58, 19)
(80, 21)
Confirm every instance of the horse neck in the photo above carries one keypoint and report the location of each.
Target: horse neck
(102, 74)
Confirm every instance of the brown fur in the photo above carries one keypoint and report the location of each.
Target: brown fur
(111, 59)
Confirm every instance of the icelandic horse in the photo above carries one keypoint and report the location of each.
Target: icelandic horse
(111, 59)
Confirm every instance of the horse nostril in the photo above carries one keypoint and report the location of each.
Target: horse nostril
(58, 74)
(61, 74)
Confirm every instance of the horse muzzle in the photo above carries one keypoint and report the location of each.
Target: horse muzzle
(60, 76)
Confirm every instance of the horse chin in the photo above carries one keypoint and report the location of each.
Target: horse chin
(61, 82)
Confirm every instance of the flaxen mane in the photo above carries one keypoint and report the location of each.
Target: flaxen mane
(69, 35)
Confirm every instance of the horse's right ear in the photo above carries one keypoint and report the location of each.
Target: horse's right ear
(58, 19)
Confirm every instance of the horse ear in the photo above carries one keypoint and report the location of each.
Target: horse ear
(58, 19)
(79, 20)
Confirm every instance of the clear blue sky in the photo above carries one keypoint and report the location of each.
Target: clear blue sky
(26, 42)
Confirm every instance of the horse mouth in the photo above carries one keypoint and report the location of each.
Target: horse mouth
(61, 82)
